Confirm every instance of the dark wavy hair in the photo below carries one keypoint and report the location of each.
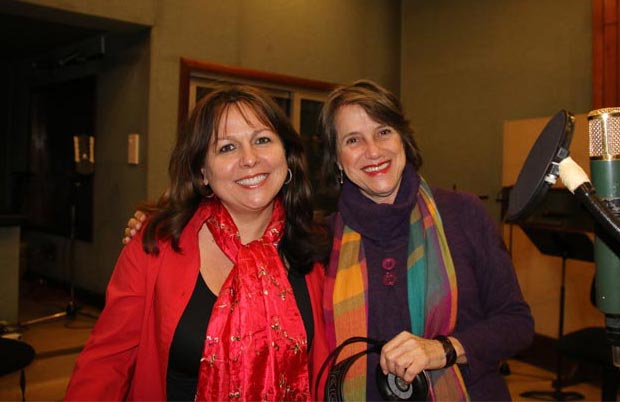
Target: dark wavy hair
(380, 104)
(304, 241)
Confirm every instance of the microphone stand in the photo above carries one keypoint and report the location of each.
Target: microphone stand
(557, 394)
(565, 244)
(72, 308)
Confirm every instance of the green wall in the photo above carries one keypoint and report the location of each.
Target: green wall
(334, 41)
(462, 68)
(467, 66)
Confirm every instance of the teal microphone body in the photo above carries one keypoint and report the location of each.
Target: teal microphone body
(604, 132)
(606, 179)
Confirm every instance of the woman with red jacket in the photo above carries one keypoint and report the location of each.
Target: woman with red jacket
(220, 297)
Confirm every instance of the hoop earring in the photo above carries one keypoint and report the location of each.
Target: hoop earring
(212, 193)
(341, 177)
(289, 177)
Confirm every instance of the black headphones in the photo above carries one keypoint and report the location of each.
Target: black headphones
(390, 387)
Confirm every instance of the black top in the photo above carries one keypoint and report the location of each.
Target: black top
(188, 341)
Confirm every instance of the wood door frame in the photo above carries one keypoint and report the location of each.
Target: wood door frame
(605, 51)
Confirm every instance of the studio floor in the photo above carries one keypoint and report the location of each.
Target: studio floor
(57, 343)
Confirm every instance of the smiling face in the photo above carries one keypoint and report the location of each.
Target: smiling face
(371, 154)
(245, 164)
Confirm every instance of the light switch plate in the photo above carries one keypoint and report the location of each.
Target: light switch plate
(133, 149)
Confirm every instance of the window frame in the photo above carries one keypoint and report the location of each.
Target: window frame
(193, 73)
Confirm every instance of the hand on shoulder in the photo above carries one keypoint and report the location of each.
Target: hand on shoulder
(134, 225)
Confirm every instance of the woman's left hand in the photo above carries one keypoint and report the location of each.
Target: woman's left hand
(406, 355)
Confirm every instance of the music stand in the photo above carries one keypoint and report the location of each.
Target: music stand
(568, 245)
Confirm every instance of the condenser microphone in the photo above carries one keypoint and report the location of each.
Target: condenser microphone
(84, 154)
(549, 159)
(604, 132)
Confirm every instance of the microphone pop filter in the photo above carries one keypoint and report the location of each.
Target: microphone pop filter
(540, 170)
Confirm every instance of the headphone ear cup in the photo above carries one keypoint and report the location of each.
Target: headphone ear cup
(421, 384)
(393, 388)
(335, 380)
(390, 387)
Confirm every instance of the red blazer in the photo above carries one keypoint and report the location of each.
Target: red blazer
(126, 356)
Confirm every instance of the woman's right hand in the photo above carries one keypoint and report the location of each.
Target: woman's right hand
(406, 355)
(134, 225)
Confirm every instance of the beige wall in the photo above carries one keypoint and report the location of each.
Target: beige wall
(467, 66)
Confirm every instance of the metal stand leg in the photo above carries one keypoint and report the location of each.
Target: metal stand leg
(72, 308)
(22, 384)
(557, 394)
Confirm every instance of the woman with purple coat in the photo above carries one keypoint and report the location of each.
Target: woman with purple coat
(423, 268)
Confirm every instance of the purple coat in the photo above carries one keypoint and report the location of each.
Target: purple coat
(493, 321)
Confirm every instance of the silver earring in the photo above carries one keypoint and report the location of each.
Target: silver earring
(289, 177)
(212, 193)
(341, 177)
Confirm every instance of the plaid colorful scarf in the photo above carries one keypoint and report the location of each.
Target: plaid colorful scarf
(431, 290)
